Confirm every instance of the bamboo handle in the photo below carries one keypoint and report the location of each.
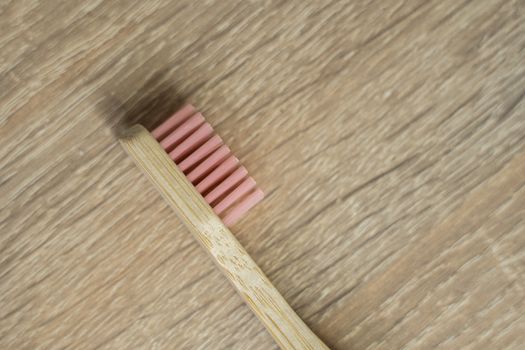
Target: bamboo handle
(287, 329)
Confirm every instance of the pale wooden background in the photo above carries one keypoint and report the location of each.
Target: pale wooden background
(388, 135)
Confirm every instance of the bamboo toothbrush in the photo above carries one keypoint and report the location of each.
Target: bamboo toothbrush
(209, 190)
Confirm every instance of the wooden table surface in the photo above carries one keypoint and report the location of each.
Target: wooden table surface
(389, 137)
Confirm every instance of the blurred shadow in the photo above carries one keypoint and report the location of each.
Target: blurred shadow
(150, 104)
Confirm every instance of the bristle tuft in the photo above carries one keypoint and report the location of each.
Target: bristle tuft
(217, 174)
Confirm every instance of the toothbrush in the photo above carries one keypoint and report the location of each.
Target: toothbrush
(209, 190)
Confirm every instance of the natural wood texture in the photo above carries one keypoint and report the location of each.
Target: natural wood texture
(287, 329)
(388, 135)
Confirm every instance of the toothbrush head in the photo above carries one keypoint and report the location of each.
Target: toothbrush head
(208, 164)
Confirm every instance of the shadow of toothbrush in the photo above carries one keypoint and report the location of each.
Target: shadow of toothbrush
(149, 104)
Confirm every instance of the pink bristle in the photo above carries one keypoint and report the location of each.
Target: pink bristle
(192, 142)
(172, 122)
(178, 135)
(240, 209)
(226, 185)
(217, 175)
(239, 191)
(208, 164)
(202, 152)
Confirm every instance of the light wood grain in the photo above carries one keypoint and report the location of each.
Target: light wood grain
(389, 135)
